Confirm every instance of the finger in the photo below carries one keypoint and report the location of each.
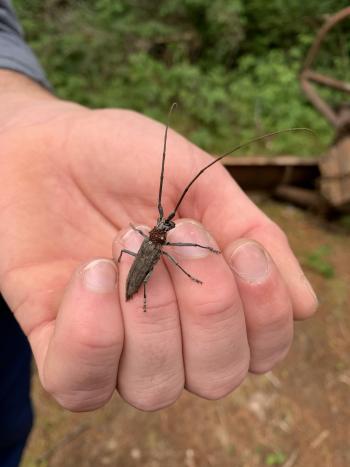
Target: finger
(151, 374)
(229, 214)
(303, 297)
(216, 352)
(80, 368)
(266, 301)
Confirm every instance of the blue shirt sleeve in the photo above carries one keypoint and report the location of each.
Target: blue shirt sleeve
(15, 54)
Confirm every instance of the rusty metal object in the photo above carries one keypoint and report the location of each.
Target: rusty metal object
(327, 81)
(322, 183)
(335, 174)
(320, 104)
(334, 182)
(308, 75)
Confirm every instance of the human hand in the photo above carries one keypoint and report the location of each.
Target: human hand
(72, 180)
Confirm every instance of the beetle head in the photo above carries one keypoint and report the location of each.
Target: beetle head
(165, 225)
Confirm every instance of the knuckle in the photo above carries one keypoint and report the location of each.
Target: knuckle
(220, 307)
(76, 401)
(275, 232)
(274, 319)
(152, 399)
(161, 318)
(270, 350)
(214, 392)
(88, 342)
(82, 401)
(262, 366)
(268, 230)
(219, 387)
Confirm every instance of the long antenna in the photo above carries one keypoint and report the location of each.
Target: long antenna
(259, 138)
(160, 207)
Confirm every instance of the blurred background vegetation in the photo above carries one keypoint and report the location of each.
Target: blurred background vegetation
(232, 65)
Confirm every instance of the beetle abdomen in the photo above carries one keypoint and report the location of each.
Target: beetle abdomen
(147, 257)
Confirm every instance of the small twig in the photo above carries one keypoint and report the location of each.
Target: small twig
(63, 442)
(282, 425)
(276, 382)
(319, 439)
(344, 378)
(291, 459)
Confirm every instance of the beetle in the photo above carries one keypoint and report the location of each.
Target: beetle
(151, 248)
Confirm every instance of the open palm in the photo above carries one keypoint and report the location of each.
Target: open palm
(73, 181)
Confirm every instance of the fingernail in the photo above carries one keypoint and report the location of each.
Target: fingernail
(132, 239)
(310, 289)
(189, 231)
(249, 261)
(100, 276)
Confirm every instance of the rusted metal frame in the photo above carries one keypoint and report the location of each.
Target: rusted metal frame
(332, 21)
(327, 80)
(307, 74)
(320, 104)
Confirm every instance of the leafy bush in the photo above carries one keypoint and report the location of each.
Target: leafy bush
(231, 64)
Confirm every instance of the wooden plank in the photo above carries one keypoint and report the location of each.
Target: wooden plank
(266, 173)
(299, 196)
(336, 163)
(335, 170)
(336, 191)
(266, 160)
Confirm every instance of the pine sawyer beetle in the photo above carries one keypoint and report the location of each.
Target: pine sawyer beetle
(151, 248)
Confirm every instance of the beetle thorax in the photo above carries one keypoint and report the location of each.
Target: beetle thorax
(157, 235)
(159, 232)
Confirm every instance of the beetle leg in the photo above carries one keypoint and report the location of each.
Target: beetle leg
(146, 279)
(139, 231)
(213, 250)
(126, 251)
(182, 269)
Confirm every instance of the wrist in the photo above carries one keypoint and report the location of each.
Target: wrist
(17, 91)
(14, 85)
(23, 100)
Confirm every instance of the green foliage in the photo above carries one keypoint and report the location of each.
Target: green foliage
(231, 64)
(319, 262)
(275, 458)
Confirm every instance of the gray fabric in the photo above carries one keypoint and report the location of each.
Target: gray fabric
(14, 52)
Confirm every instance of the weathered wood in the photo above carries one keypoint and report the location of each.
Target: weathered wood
(335, 171)
(299, 196)
(266, 173)
(335, 165)
(308, 74)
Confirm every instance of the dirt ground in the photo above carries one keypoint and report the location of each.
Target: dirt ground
(296, 416)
